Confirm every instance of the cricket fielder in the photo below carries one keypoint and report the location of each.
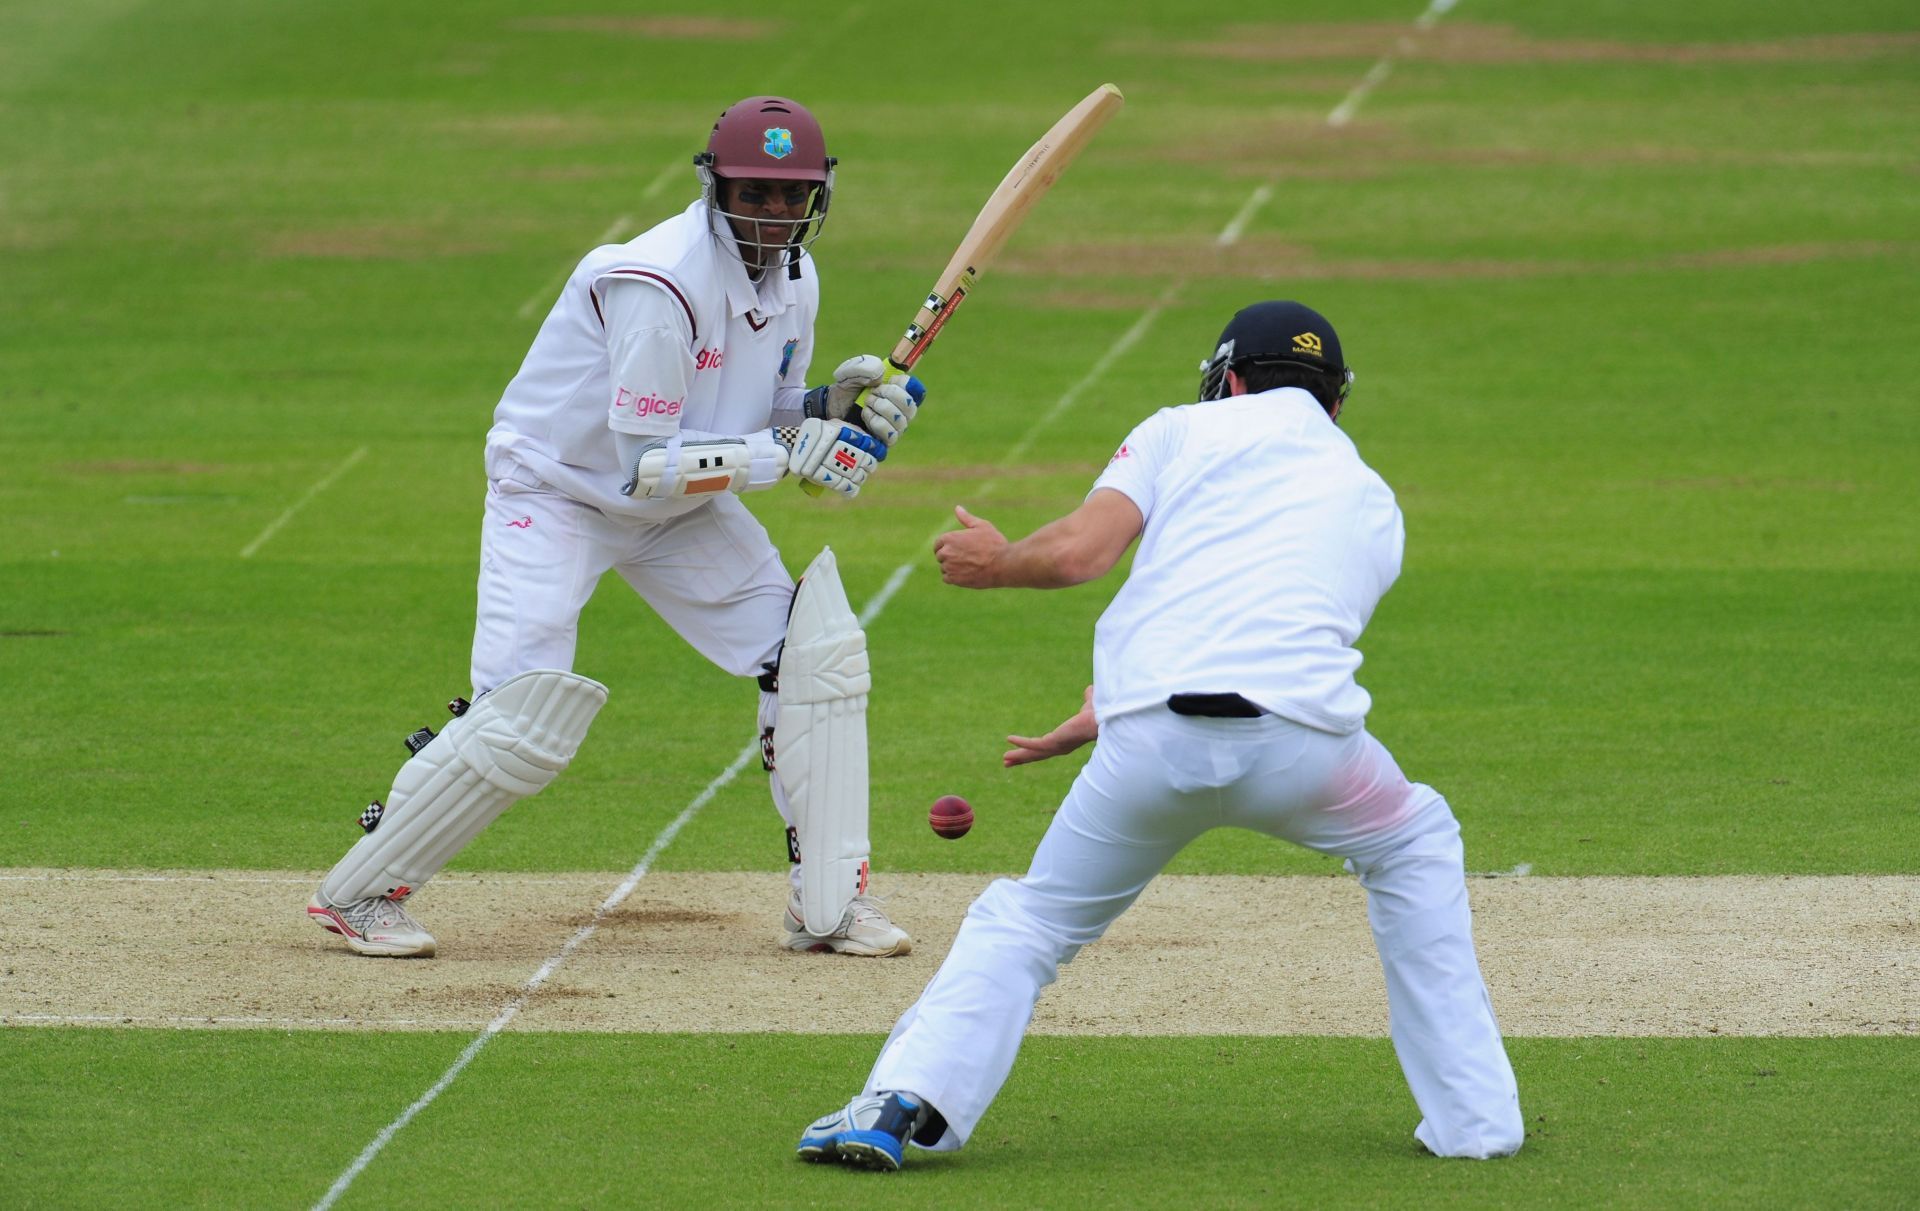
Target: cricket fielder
(668, 379)
(1223, 696)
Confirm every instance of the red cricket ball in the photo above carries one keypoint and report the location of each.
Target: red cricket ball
(950, 816)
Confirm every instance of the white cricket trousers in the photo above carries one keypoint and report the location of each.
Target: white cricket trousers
(1156, 781)
(712, 574)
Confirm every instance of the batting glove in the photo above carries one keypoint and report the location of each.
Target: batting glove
(865, 391)
(834, 454)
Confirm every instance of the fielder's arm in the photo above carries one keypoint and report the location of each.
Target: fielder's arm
(1081, 729)
(1084, 545)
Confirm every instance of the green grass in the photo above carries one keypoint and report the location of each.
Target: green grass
(1633, 350)
(570, 1120)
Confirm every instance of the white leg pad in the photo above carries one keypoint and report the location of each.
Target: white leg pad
(508, 745)
(821, 743)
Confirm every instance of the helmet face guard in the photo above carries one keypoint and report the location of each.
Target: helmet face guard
(749, 230)
(772, 139)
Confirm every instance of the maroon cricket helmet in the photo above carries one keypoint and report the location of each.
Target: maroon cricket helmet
(768, 137)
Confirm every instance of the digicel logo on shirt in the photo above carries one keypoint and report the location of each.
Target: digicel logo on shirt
(646, 405)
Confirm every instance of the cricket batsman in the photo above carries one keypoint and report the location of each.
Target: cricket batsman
(667, 380)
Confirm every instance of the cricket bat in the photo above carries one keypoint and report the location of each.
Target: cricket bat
(1004, 211)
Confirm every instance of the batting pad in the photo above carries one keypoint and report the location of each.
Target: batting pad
(820, 743)
(508, 745)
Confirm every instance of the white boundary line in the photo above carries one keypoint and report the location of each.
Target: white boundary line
(326, 481)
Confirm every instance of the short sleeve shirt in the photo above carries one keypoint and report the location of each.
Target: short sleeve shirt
(1267, 544)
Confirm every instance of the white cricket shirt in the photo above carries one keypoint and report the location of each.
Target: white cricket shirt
(1267, 545)
(661, 335)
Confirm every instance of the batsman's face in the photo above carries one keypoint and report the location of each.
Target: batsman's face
(763, 214)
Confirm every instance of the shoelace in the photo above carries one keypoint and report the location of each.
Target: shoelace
(858, 909)
(376, 910)
(869, 906)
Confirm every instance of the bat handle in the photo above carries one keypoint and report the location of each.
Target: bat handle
(813, 489)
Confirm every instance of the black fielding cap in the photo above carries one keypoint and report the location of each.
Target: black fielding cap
(1283, 331)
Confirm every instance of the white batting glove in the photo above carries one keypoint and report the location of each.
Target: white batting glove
(866, 391)
(834, 454)
(886, 411)
(850, 378)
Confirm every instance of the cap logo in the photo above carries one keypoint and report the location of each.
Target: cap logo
(779, 143)
(1307, 342)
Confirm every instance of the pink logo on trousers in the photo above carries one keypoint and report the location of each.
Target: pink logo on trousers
(525, 523)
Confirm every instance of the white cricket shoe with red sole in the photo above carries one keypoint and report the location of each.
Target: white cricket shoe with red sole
(373, 926)
(864, 930)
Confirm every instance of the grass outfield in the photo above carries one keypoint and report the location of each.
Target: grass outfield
(561, 1120)
(1622, 283)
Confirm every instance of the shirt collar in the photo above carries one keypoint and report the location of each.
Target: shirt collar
(774, 293)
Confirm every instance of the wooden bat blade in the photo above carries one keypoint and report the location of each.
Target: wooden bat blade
(1031, 177)
(1005, 208)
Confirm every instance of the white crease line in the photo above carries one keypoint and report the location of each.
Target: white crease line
(1120, 347)
(665, 178)
(1234, 229)
(1520, 871)
(326, 481)
(538, 978)
(612, 233)
(1114, 353)
(1343, 113)
(887, 590)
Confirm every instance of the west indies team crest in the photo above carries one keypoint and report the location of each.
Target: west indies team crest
(779, 142)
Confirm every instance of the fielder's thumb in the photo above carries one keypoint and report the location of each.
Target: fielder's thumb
(967, 519)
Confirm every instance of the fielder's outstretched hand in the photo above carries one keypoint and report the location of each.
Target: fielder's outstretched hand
(967, 555)
(1070, 735)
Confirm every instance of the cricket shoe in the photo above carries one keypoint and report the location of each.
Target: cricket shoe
(373, 926)
(872, 1131)
(863, 930)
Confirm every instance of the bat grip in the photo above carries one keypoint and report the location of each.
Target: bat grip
(813, 489)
